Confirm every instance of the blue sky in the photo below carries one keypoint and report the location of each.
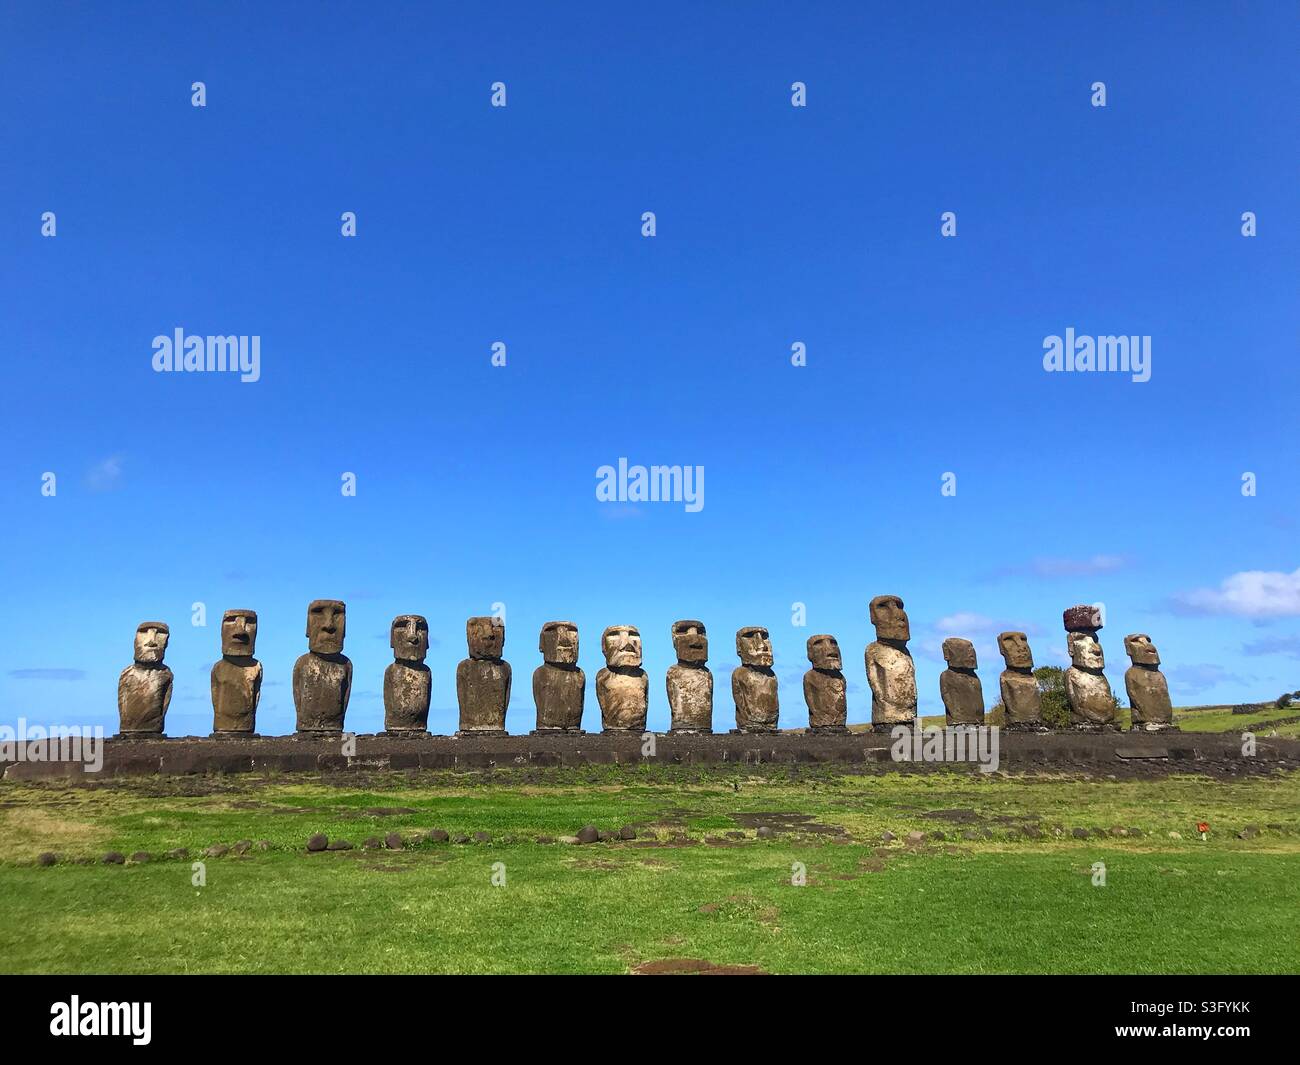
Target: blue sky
(775, 225)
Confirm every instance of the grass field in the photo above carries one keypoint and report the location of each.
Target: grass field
(1008, 887)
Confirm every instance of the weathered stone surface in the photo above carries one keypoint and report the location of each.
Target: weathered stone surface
(393, 841)
(140, 857)
(217, 850)
(690, 682)
(959, 686)
(559, 686)
(482, 837)
(144, 688)
(1092, 705)
(322, 678)
(1021, 699)
(242, 846)
(824, 688)
(114, 858)
(236, 680)
(1148, 691)
(890, 670)
(627, 832)
(753, 682)
(317, 842)
(588, 834)
(1082, 618)
(765, 832)
(483, 679)
(371, 843)
(47, 858)
(408, 683)
(437, 835)
(622, 687)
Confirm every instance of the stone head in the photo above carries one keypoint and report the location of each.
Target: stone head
(824, 652)
(486, 637)
(1015, 650)
(889, 618)
(690, 641)
(326, 626)
(959, 653)
(151, 642)
(408, 636)
(754, 646)
(1085, 650)
(239, 633)
(1082, 618)
(558, 643)
(1139, 647)
(622, 645)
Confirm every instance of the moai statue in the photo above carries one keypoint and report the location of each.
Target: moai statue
(1092, 706)
(483, 679)
(559, 686)
(236, 678)
(753, 683)
(322, 678)
(890, 670)
(1148, 691)
(408, 684)
(960, 688)
(144, 689)
(622, 687)
(1021, 699)
(824, 688)
(690, 683)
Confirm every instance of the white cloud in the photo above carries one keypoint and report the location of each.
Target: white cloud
(1251, 594)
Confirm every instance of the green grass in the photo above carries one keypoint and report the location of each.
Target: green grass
(1008, 903)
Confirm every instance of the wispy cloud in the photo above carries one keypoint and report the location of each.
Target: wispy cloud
(106, 475)
(1061, 567)
(1274, 645)
(48, 674)
(1257, 594)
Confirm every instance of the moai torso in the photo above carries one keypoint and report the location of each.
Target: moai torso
(1021, 698)
(144, 688)
(559, 686)
(892, 676)
(690, 697)
(408, 683)
(824, 687)
(559, 693)
(959, 685)
(236, 689)
(754, 690)
(1148, 691)
(237, 677)
(322, 678)
(483, 679)
(408, 688)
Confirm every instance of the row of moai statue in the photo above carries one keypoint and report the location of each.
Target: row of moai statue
(322, 679)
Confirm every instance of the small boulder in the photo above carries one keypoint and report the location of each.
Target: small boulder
(393, 841)
(1249, 832)
(140, 857)
(915, 837)
(217, 850)
(765, 832)
(588, 834)
(461, 838)
(1135, 833)
(47, 858)
(482, 837)
(888, 837)
(969, 834)
(371, 843)
(242, 846)
(437, 835)
(1079, 833)
(628, 832)
(262, 845)
(318, 842)
(179, 853)
(113, 858)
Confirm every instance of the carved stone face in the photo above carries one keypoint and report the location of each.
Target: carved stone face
(622, 646)
(824, 652)
(409, 637)
(239, 633)
(1085, 651)
(151, 642)
(558, 643)
(959, 653)
(690, 641)
(1139, 647)
(889, 618)
(753, 646)
(1015, 650)
(326, 625)
(486, 637)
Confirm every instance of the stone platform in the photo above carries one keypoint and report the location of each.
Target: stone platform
(1129, 753)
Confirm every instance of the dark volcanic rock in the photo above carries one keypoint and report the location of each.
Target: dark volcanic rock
(588, 834)
(113, 858)
(318, 842)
